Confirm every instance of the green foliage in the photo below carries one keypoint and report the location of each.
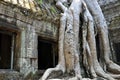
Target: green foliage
(40, 1)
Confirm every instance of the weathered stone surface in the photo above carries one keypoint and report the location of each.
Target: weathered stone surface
(24, 3)
(34, 9)
(10, 75)
(6, 10)
(111, 11)
(115, 35)
(105, 2)
(115, 29)
(46, 29)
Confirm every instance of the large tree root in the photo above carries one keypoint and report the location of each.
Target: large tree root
(116, 76)
(103, 34)
(87, 57)
(113, 67)
(68, 41)
(57, 69)
(92, 44)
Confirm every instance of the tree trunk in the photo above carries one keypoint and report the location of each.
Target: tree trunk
(68, 62)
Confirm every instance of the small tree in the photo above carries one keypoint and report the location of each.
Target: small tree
(89, 14)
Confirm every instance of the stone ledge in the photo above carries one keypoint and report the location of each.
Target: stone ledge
(10, 75)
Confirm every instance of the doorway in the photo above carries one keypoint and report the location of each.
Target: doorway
(47, 58)
(6, 50)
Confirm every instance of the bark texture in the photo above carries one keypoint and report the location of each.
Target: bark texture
(89, 14)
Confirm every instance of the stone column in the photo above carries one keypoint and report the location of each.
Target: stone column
(28, 56)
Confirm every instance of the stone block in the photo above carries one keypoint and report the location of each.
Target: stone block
(6, 10)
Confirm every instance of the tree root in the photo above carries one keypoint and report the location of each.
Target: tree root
(58, 68)
(113, 67)
(99, 71)
(87, 24)
(92, 47)
(116, 76)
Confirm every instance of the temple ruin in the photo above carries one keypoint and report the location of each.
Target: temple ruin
(29, 36)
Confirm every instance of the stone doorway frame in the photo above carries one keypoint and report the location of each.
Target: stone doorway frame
(15, 45)
(54, 48)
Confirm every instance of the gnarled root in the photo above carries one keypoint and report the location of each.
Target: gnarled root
(99, 71)
(92, 45)
(116, 76)
(113, 67)
(103, 34)
(77, 67)
(57, 69)
(69, 29)
(88, 22)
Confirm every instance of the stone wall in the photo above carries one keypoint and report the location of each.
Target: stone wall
(106, 2)
(27, 28)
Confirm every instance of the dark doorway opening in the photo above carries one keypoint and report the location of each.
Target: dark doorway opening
(5, 50)
(117, 51)
(46, 55)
